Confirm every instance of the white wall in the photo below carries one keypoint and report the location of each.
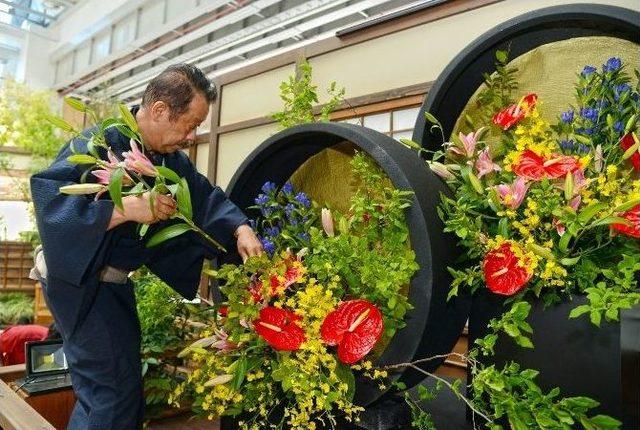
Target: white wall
(14, 218)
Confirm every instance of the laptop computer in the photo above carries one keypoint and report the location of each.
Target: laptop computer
(47, 368)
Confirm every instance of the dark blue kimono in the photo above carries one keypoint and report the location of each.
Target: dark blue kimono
(98, 320)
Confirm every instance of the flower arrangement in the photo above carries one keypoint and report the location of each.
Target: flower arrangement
(132, 173)
(299, 320)
(543, 211)
(552, 209)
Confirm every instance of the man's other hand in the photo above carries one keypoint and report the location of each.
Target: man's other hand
(248, 243)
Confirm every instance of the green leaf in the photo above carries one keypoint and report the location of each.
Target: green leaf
(346, 375)
(81, 159)
(595, 317)
(606, 422)
(167, 233)
(410, 143)
(590, 211)
(626, 206)
(501, 56)
(570, 261)
(115, 187)
(127, 117)
(576, 312)
(630, 124)
(524, 342)
(240, 373)
(611, 220)
(127, 132)
(61, 124)
(184, 199)
(169, 174)
(563, 244)
(75, 104)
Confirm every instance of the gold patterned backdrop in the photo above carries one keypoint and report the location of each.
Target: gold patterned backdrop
(550, 71)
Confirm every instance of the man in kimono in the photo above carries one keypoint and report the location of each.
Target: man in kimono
(90, 247)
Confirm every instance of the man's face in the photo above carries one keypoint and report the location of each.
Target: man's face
(174, 134)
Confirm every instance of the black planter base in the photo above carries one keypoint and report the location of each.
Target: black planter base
(574, 355)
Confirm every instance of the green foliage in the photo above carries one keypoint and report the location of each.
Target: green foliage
(497, 92)
(371, 255)
(618, 291)
(513, 323)
(166, 324)
(15, 306)
(420, 418)
(514, 394)
(300, 96)
(23, 121)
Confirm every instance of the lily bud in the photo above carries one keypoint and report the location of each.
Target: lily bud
(568, 186)
(218, 380)
(599, 159)
(79, 189)
(475, 182)
(441, 170)
(327, 222)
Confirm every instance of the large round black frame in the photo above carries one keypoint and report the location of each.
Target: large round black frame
(464, 74)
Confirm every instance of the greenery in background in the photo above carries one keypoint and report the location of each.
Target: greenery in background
(23, 122)
(166, 323)
(299, 96)
(15, 306)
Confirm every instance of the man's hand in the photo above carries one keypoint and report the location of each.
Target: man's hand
(248, 243)
(139, 209)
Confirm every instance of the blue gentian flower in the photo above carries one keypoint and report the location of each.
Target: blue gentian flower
(287, 188)
(269, 246)
(620, 90)
(588, 70)
(262, 199)
(618, 126)
(288, 210)
(567, 117)
(589, 130)
(600, 104)
(267, 211)
(583, 148)
(272, 231)
(589, 113)
(567, 145)
(303, 199)
(304, 236)
(268, 187)
(612, 64)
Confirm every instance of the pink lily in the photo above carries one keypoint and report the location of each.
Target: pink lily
(485, 165)
(513, 195)
(222, 343)
(469, 142)
(136, 161)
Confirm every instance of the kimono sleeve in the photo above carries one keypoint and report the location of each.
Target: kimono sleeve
(72, 228)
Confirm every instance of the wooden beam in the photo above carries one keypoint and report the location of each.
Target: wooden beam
(212, 166)
(11, 373)
(382, 101)
(16, 414)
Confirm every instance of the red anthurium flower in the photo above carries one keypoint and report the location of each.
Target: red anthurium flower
(279, 329)
(223, 311)
(633, 216)
(533, 166)
(355, 326)
(627, 142)
(511, 115)
(502, 272)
